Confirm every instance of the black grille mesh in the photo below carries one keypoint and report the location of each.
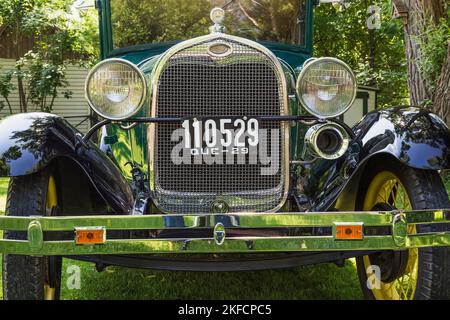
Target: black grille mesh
(195, 84)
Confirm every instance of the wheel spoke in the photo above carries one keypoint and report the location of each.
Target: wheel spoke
(388, 189)
(410, 287)
(401, 284)
(393, 194)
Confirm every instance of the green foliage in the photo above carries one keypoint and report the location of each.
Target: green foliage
(6, 86)
(433, 47)
(43, 79)
(445, 174)
(62, 38)
(377, 56)
(147, 21)
(137, 22)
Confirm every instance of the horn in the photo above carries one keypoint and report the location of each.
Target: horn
(327, 141)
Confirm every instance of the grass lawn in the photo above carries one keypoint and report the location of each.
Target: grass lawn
(311, 282)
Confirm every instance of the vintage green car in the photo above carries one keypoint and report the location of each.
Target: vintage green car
(225, 152)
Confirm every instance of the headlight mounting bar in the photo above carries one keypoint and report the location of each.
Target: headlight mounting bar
(306, 119)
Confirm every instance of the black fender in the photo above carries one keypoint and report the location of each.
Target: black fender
(31, 141)
(414, 136)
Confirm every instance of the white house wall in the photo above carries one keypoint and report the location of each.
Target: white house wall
(76, 106)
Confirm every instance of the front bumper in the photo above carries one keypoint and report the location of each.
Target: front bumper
(401, 235)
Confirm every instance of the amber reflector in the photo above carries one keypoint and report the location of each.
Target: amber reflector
(349, 232)
(94, 235)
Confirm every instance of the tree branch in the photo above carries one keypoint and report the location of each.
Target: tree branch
(247, 15)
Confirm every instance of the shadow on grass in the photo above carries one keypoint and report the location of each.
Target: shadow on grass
(311, 282)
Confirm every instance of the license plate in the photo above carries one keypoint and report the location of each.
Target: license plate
(235, 135)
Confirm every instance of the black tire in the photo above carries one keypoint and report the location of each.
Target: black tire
(25, 277)
(425, 191)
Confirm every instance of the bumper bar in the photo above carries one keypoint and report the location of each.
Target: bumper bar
(399, 222)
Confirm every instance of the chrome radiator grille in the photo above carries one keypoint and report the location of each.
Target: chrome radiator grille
(193, 83)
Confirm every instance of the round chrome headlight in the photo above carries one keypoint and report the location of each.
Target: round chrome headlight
(326, 87)
(116, 89)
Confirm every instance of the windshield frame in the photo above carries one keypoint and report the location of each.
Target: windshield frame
(106, 33)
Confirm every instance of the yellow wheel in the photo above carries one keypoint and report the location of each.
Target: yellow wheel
(386, 188)
(393, 275)
(26, 277)
(51, 203)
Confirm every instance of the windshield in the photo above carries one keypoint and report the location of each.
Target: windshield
(149, 21)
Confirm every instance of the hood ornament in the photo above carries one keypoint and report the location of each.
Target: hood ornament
(217, 16)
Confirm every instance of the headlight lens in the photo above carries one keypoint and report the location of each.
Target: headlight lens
(116, 89)
(326, 87)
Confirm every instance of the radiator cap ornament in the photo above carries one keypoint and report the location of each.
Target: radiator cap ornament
(219, 234)
(217, 16)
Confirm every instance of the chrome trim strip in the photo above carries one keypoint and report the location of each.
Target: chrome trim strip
(244, 220)
(231, 245)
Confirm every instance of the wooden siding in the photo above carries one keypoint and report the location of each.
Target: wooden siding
(74, 109)
(365, 102)
(8, 50)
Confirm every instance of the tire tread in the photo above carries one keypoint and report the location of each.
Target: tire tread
(23, 276)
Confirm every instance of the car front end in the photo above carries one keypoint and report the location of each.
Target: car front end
(216, 153)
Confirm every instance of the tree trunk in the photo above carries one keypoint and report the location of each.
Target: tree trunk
(372, 50)
(22, 95)
(419, 90)
(422, 13)
(442, 96)
(9, 105)
(20, 85)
